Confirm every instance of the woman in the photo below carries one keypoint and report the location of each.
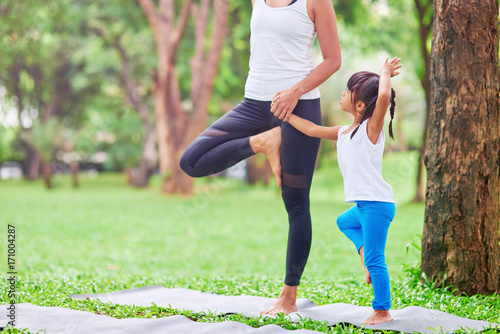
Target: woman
(281, 70)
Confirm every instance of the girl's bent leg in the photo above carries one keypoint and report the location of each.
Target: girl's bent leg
(349, 223)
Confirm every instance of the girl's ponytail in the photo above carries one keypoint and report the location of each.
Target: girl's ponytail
(393, 106)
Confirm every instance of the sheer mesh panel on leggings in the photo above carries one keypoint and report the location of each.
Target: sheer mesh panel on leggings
(295, 181)
(214, 133)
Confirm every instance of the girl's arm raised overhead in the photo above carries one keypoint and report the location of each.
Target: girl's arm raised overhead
(376, 121)
(314, 130)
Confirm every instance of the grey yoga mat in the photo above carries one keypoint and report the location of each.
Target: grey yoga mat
(63, 320)
(409, 319)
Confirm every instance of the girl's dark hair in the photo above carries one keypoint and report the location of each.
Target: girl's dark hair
(364, 87)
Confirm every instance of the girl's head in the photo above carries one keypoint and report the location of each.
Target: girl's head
(361, 97)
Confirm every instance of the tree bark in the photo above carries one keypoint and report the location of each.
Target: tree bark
(47, 175)
(460, 243)
(424, 31)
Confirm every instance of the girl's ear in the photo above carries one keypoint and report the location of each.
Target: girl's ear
(360, 106)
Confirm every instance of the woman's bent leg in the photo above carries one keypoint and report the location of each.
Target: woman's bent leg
(226, 141)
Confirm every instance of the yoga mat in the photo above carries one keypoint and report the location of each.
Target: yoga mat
(57, 320)
(408, 320)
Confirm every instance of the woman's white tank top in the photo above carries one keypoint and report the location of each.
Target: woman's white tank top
(280, 50)
(360, 162)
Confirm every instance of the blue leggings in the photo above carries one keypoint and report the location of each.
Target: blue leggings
(366, 224)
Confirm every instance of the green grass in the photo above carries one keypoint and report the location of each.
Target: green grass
(228, 239)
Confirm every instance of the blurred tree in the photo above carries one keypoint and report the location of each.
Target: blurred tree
(176, 126)
(46, 137)
(118, 24)
(38, 69)
(460, 243)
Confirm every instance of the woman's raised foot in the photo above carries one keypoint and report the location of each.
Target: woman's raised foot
(269, 143)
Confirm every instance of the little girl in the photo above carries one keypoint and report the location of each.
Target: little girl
(360, 147)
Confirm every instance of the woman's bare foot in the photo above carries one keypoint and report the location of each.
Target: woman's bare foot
(285, 303)
(367, 273)
(269, 143)
(378, 317)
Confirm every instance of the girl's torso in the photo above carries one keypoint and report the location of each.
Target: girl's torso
(280, 49)
(360, 162)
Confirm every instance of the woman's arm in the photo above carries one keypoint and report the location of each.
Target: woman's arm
(314, 130)
(376, 122)
(323, 16)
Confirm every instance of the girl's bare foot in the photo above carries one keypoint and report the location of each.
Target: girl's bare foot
(269, 143)
(378, 317)
(367, 273)
(285, 303)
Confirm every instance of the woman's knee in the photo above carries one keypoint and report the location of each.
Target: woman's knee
(187, 167)
(295, 198)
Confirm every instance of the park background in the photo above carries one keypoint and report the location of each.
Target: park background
(94, 213)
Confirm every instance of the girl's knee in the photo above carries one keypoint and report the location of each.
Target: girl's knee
(341, 223)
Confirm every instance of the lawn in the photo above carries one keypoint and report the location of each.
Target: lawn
(229, 238)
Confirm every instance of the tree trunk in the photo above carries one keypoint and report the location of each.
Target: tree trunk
(139, 177)
(32, 162)
(74, 173)
(423, 8)
(460, 243)
(47, 174)
(258, 170)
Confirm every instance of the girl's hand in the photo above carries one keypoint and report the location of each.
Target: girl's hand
(391, 66)
(284, 103)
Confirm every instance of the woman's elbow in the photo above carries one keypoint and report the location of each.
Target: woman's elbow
(335, 63)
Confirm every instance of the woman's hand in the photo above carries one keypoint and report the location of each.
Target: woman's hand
(391, 66)
(284, 103)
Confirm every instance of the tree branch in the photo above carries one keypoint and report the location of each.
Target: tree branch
(210, 66)
(129, 85)
(199, 54)
(150, 10)
(181, 24)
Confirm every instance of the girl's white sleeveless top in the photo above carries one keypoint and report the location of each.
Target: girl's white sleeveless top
(360, 162)
(280, 50)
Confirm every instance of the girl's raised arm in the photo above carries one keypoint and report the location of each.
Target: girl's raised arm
(376, 121)
(314, 130)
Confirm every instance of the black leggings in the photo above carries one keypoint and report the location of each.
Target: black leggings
(226, 142)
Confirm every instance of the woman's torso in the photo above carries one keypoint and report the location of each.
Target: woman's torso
(360, 162)
(280, 49)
